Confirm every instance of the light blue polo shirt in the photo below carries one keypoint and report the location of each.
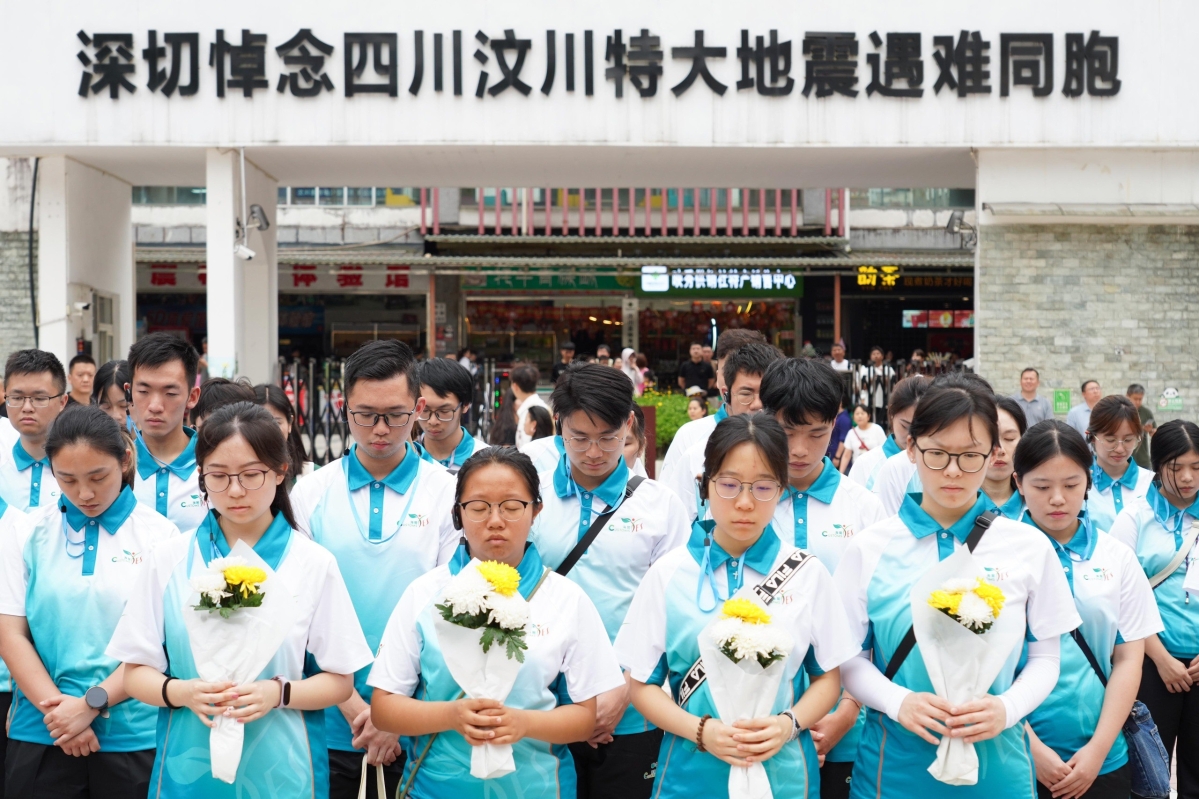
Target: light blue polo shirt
(644, 528)
(1113, 597)
(568, 659)
(26, 483)
(466, 447)
(1108, 496)
(875, 579)
(865, 466)
(1154, 529)
(70, 575)
(9, 518)
(659, 643)
(171, 489)
(1012, 509)
(384, 534)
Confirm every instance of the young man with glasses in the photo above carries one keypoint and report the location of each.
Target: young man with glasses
(35, 388)
(595, 413)
(162, 391)
(447, 388)
(384, 513)
(820, 511)
(742, 370)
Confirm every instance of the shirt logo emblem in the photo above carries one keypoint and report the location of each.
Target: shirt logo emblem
(627, 524)
(539, 630)
(417, 520)
(1098, 574)
(126, 556)
(191, 502)
(995, 575)
(838, 531)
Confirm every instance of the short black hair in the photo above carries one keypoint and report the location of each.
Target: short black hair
(495, 456)
(1181, 437)
(1009, 404)
(1086, 383)
(35, 362)
(800, 390)
(752, 359)
(732, 340)
(954, 396)
(907, 393)
(1048, 439)
(82, 357)
(760, 429)
(1028, 369)
(1135, 388)
(381, 360)
(159, 349)
(603, 393)
(525, 376)
(446, 377)
(89, 425)
(113, 373)
(217, 392)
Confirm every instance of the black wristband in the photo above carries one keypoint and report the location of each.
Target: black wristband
(165, 700)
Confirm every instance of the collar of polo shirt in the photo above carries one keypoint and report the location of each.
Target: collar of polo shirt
(22, 458)
(110, 520)
(530, 567)
(1103, 481)
(182, 467)
(609, 491)
(271, 547)
(759, 557)
(825, 486)
(922, 525)
(400, 478)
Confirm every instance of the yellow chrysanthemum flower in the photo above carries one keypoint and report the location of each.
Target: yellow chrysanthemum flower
(945, 600)
(745, 610)
(992, 595)
(503, 578)
(245, 578)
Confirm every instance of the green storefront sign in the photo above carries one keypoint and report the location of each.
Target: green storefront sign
(550, 283)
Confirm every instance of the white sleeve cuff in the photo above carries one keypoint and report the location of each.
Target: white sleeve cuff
(1034, 683)
(871, 687)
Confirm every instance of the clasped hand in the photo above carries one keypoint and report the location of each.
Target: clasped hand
(974, 722)
(487, 721)
(748, 741)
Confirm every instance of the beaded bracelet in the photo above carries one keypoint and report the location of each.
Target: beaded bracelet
(699, 734)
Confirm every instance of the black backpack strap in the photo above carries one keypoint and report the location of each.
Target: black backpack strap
(981, 525)
(594, 530)
(1076, 634)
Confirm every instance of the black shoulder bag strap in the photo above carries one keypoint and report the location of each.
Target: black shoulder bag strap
(1076, 634)
(981, 525)
(596, 526)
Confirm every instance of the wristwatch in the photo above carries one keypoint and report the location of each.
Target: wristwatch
(97, 699)
(796, 728)
(284, 691)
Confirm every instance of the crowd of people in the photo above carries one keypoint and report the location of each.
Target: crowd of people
(791, 534)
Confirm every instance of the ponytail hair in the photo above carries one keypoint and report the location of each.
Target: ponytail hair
(92, 427)
(259, 429)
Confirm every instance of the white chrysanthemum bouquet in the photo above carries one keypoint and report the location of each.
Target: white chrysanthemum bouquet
(965, 636)
(480, 625)
(744, 652)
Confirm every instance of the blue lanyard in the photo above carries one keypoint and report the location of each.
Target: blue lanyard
(363, 530)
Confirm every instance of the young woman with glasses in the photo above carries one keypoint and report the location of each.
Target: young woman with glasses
(745, 469)
(952, 439)
(243, 463)
(1114, 434)
(495, 502)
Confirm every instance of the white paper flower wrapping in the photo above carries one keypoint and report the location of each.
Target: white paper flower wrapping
(961, 664)
(237, 649)
(744, 690)
(481, 675)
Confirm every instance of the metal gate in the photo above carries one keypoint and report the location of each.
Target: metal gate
(315, 390)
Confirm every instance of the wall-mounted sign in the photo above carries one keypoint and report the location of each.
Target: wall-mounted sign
(293, 279)
(1061, 401)
(1171, 400)
(938, 319)
(719, 282)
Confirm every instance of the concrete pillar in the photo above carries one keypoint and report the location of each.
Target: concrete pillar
(85, 258)
(243, 295)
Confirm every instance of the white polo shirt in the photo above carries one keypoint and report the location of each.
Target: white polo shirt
(896, 478)
(534, 400)
(1108, 497)
(682, 478)
(866, 466)
(645, 527)
(25, 484)
(688, 434)
(567, 648)
(544, 452)
(171, 489)
(384, 534)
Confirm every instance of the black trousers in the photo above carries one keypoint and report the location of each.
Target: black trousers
(5, 705)
(1177, 717)
(624, 768)
(36, 771)
(345, 772)
(834, 780)
(1113, 785)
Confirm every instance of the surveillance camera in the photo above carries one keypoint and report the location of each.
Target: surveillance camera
(82, 306)
(243, 252)
(954, 226)
(259, 217)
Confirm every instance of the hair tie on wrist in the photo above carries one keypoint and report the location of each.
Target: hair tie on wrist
(165, 700)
